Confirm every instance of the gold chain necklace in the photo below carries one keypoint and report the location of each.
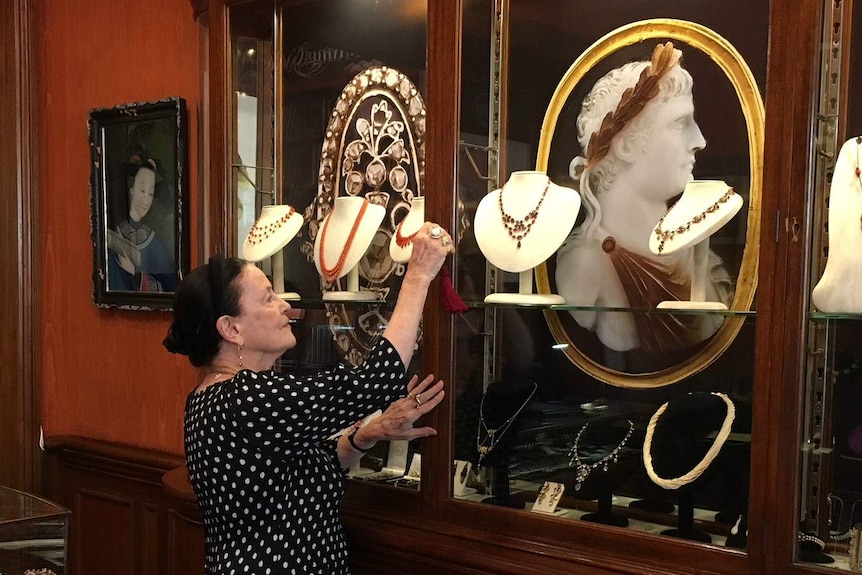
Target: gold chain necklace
(518, 229)
(259, 234)
(667, 235)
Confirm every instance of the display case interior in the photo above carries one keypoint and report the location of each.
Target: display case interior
(33, 534)
(622, 413)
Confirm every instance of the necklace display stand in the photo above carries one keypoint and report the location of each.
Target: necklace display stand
(679, 448)
(502, 404)
(343, 238)
(839, 290)
(401, 244)
(274, 228)
(704, 207)
(520, 226)
(598, 477)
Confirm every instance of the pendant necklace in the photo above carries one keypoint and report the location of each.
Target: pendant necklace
(668, 235)
(486, 445)
(584, 469)
(259, 234)
(518, 229)
(332, 274)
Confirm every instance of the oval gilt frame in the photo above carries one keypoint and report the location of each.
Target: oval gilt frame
(731, 63)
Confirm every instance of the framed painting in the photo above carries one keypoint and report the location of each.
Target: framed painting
(138, 198)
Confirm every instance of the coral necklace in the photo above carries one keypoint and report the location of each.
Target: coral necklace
(403, 241)
(333, 273)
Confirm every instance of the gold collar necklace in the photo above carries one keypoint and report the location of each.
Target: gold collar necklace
(668, 235)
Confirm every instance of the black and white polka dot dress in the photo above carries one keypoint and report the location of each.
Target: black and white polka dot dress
(267, 481)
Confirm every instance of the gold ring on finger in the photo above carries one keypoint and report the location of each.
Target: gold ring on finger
(418, 401)
(445, 242)
(411, 396)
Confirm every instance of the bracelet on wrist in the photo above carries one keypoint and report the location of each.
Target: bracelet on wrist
(352, 442)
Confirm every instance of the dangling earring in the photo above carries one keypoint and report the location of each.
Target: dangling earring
(239, 347)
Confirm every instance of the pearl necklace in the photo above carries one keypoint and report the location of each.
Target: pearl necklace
(493, 436)
(584, 469)
(667, 235)
(259, 234)
(332, 274)
(518, 229)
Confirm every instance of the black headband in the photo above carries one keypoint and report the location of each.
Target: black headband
(216, 270)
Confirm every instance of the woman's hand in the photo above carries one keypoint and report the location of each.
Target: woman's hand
(430, 247)
(397, 421)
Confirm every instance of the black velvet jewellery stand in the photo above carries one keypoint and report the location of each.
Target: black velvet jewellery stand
(686, 446)
(498, 426)
(605, 454)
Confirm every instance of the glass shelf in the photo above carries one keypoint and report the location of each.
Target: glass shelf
(564, 307)
(818, 315)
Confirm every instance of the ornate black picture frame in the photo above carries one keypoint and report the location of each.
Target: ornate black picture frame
(138, 200)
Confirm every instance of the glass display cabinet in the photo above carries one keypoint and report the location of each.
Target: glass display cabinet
(33, 534)
(639, 379)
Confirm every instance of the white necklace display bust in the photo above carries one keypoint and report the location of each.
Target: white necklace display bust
(343, 238)
(274, 228)
(521, 225)
(411, 224)
(704, 207)
(840, 288)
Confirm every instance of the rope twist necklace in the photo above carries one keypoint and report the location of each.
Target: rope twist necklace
(493, 436)
(697, 471)
(666, 235)
(584, 469)
(332, 274)
(518, 229)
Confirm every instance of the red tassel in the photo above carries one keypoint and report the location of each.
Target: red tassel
(452, 302)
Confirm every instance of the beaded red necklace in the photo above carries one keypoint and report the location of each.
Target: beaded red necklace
(518, 229)
(403, 241)
(258, 234)
(332, 274)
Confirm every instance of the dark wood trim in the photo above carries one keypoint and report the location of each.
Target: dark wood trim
(788, 173)
(19, 397)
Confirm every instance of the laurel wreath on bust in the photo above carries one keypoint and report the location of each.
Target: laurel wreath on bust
(632, 102)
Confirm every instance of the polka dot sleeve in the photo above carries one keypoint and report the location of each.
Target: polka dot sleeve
(288, 415)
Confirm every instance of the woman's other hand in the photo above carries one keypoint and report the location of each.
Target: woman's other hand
(398, 420)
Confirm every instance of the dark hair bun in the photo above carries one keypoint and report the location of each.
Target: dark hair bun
(173, 344)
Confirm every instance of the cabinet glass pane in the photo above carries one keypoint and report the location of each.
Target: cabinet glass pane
(830, 478)
(613, 410)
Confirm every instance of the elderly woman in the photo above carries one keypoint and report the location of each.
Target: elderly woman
(639, 137)
(267, 478)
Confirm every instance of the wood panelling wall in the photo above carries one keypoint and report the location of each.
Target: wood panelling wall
(123, 519)
(104, 373)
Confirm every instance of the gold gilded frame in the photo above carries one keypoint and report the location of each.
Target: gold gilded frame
(732, 64)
